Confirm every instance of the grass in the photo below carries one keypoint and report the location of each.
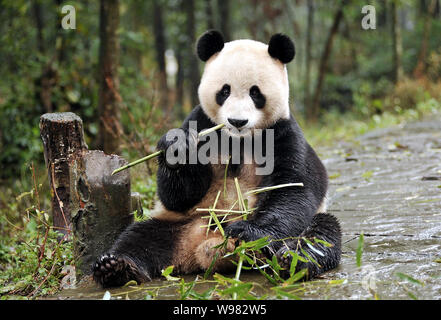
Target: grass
(334, 126)
(33, 255)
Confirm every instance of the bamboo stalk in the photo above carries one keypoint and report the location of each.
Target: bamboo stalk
(256, 191)
(157, 153)
(216, 220)
(134, 163)
(224, 210)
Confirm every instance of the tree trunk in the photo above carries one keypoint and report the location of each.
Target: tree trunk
(160, 46)
(193, 66)
(307, 97)
(60, 42)
(209, 14)
(108, 110)
(180, 81)
(39, 23)
(224, 18)
(47, 80)
(315, 107)
(419, 70)
(437, 10)
(397, 45)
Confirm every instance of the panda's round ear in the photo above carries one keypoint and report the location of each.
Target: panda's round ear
(281, 47)
(209, 43)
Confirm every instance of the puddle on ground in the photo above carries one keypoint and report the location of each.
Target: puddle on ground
(382, 190)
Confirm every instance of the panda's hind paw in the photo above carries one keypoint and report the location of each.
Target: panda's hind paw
(112, 271)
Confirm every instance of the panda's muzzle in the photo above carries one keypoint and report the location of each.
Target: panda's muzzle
(238, 123)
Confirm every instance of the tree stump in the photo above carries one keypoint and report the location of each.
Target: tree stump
(86, 199)
(100, 206)
(62, 135)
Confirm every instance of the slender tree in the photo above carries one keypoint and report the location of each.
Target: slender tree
(309, 28)
(160, 46)
(39, 23)
(313, 110)
(193, 67)
(109, 113)
(397, 45)
(47, 79)
(418, 72)
(225, 18)
(209, 14)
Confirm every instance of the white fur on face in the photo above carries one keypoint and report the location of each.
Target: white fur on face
(243, 64)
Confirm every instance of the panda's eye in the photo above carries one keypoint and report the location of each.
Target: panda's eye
(225, 90)
(254, 91)
(257, 96)
(223, 94)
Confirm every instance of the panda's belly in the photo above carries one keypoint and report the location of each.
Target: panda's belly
(195, 247)
(228, 198)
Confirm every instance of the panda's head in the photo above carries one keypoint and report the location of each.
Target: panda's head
(245, 82)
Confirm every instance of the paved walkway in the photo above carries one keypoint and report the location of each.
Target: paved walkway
(388, 185)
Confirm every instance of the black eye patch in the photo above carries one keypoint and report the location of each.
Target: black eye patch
(257, 96)
(223, 94)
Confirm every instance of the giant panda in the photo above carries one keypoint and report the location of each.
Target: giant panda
(244, 86)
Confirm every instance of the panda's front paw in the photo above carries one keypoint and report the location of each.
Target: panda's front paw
(112, 271)
(176, 146)
(241, 230)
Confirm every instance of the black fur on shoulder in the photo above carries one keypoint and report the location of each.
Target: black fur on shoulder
(281, 47)
(209, 43)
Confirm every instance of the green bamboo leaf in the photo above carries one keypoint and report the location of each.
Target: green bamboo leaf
(166, 273)
(359, 251)
(337, 281)
(294, 261)
(297, 276)
(323, 242)
(310, 258)
(406, 277)
(285, 294)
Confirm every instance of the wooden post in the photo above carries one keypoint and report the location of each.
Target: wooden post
(86, 198)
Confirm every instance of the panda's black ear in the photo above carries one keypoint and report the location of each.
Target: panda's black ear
(209, 43)
(281, 47)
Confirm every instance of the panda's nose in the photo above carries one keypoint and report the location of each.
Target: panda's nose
(238, 123)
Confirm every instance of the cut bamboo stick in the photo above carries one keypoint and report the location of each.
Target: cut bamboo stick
(157, 153)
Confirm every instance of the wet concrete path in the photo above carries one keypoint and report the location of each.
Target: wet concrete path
(387, 185)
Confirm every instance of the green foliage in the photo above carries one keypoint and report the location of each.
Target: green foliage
(32, 272)
(32, 253)
(33, 262)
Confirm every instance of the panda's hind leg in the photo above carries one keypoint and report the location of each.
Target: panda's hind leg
(140, 253)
